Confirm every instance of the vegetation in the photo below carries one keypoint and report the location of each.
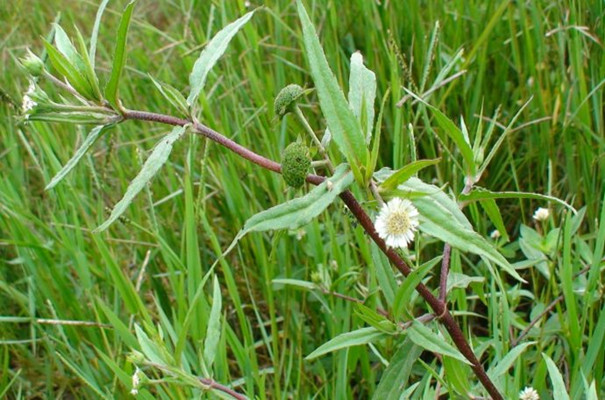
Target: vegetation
(198, 284)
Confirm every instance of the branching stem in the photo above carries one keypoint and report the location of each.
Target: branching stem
(438, 306)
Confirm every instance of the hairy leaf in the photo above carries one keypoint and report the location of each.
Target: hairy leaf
(210, 55)
(158, 157)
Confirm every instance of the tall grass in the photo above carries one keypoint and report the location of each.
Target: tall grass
(75, 305)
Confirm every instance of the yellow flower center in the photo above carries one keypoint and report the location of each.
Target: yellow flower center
(398, 223)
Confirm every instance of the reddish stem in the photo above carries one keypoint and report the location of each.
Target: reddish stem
(438, 306)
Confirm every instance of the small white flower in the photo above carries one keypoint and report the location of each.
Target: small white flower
(28, 103)
(495, 234)
(529, 393)
(397, 222)
(541, 214)
(136, 381)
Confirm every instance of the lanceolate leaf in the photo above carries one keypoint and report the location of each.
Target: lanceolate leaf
(210, 55)
(158, 157)
(440, 217)
(362, 93)
(119, 57)
(95, 32)
(454, 133)
(213, 332)
(395, 378)
(92, 137)
(173, 96)
(354, 338)
(68, 70)
(480, 194)
(300, 211)
(403, 174)
(344, 126)
(558, 385)
(429, 340)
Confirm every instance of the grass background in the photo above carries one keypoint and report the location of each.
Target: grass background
(147, 269)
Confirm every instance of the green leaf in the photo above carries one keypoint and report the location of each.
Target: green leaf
(499, 369)
(119, 57)
(213, 332)
(149, 348)
(405, 290)
(558, 385)
(295, 282)
(344, 127)
(454, 133)
(429, 340)
(362, 93)
(400, 176)
(348, 339)
(158, 157)
(493, 212)
(440, 217)
(92, 137)
(88, 69)
(300, 211)
(395, 377)
(374, 319)
(65, 68)
(456, 280)
(375, 146)
(173, 96)
(210, 55)
(478, 194)
(95, 32)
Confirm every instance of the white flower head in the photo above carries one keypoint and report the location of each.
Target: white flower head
(397, 222)
(529, 393)
(541, 214)
(136, 381)
(495, 234)
(28, 102)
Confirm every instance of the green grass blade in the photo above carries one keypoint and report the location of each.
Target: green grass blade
(119, 57)
(362, 93)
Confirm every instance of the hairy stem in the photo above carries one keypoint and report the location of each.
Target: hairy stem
(438, 306)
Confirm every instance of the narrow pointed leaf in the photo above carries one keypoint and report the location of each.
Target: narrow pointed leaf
(429, 340)
(478, 194)
(403, 174)
(300, 211)
(454, 133)
(395, 378)
(558, 384)
(95, 32)
(362, 93)
(354, 338)
(158, 157)
(92, 137)
(119, 57)
(173, 96)
(344, 127)
(213, 332)
(210, 55)
(65, 68)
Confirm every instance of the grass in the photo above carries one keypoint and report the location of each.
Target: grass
(144, 285)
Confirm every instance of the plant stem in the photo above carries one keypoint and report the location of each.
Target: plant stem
(307, 126)
(438, 306)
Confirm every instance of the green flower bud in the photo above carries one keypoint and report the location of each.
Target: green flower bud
(295, 164)
(287, 98)
(32, 64)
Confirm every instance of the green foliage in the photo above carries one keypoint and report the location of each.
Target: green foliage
(79, 308)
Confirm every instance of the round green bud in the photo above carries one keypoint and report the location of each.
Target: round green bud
(287, 98)
(32, 64)
(295, 164)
